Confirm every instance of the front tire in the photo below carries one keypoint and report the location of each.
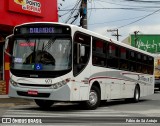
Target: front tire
(44, 104)
(94, 99)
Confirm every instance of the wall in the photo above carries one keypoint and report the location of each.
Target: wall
(14, 12)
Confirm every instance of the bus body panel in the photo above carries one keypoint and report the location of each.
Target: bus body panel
(120, 84)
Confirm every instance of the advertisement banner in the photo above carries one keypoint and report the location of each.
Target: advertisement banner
(149, 43)
(30, 7)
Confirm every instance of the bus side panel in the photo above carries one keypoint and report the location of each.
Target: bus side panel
(75, 91)
(81, 88)
(127, 89)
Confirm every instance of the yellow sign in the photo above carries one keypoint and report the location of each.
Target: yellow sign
(21, 2)
(29, 5)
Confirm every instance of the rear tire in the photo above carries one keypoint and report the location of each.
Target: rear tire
(136, 94)
(94, 99)
(44, 104)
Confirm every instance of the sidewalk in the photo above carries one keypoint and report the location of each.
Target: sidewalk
(4, 96)
(6, 101)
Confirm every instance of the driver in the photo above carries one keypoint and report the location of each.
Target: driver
(46, 58)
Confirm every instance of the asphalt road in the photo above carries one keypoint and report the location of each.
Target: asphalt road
(113, 113)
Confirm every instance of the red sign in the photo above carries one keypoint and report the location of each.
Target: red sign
(32, 92)
(24, 44)
(31, 7)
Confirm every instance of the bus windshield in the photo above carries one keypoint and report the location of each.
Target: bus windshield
(45, 54)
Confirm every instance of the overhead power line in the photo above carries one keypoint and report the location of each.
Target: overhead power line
(143, 1)
(115, 20)
(119, 4)
(74, 12)
(138, 19)
(135, 9)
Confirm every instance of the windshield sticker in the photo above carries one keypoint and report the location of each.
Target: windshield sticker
(18, 60)
(24, 44)
(38, 66)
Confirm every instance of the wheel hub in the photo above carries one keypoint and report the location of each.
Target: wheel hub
(93, 98)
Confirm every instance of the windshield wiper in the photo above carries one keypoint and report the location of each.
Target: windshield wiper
(49, 43)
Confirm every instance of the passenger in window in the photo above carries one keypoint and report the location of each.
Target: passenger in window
(95, 60)
(139, 69)
(144, 70)
(124, 66)
(102, 63)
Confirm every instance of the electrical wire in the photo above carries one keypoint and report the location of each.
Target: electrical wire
(73, 10)
(133, 9)
(138, 19)
(143, 1)
(115, 20)
(127, 4)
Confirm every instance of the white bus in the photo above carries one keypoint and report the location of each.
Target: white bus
(53, 62)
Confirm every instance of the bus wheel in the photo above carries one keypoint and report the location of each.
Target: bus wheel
(136, 94)
(94, 99)
(44, 104)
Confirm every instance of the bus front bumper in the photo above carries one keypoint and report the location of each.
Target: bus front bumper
(61, 94)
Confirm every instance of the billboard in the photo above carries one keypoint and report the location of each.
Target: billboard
(15, 12)
(31, 7)
(149, 43)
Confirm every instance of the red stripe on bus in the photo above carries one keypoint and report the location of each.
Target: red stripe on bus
(108, 78)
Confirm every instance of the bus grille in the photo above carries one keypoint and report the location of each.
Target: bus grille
(45, 95)
(35, 85)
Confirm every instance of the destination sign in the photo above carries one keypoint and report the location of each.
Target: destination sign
(42, 30)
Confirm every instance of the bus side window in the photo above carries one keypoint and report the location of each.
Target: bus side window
(123, 59)
(112, 58)
(144, 69)
(133, 56)
(99, 52)
(123, 53)
(139, 68)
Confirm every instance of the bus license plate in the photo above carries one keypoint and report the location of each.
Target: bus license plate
(32, 92)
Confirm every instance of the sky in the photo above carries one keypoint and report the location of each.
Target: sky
(125, 15)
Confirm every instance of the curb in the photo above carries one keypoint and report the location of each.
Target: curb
(4, 96)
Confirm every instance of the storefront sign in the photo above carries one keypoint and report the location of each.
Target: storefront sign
(31, 7)
(149, 43)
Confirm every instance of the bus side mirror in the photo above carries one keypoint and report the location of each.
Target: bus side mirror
(6, 43)
(7, 46)
(82, 50)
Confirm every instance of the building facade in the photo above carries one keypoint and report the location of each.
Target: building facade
(14, 12)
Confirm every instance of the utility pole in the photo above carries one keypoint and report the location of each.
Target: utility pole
(135, 38)
(83, 14)
(117, 34)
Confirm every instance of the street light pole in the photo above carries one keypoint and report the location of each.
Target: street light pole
(117, 35)
(135, 38)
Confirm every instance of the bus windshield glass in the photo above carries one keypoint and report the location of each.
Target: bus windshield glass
(44, 54)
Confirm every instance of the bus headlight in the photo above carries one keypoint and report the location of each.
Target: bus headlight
(13, 82)
(60, 84)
